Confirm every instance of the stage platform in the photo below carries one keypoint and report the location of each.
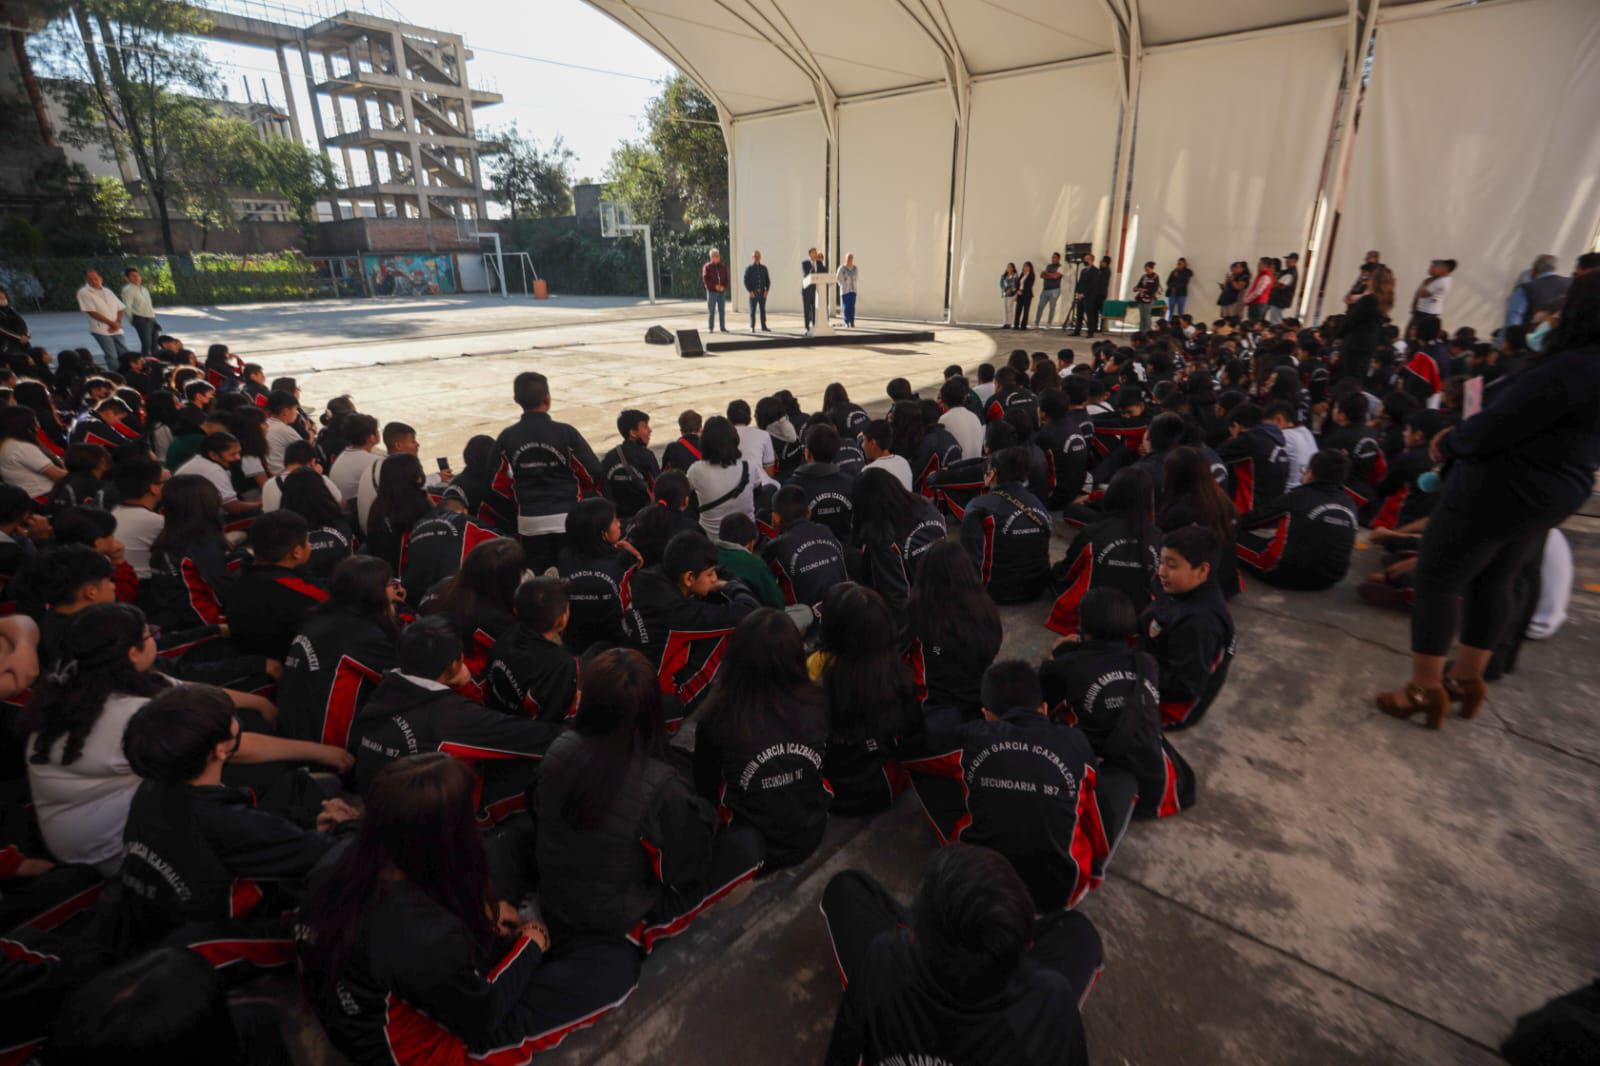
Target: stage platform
(755, 342)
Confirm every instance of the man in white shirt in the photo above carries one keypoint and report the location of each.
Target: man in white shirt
(398, 439)
(219, 452)
(138, 483)
(875, 442)
(141, 309)
(297, 455)
(962, 423)
(1298, 441)
(283, 412)
(984, 389)
(1431, 293)
(106, 315)
(755, 445)
(361, 442)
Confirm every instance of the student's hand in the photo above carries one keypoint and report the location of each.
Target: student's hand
(338, 760)
(536, 932)
(39, 527)
(1071, 638)
(462, 676)
(335, 812)
(273, 668)
(630, 549)
(444, 476)
(34, 868)
(117, 556)
(506, 918)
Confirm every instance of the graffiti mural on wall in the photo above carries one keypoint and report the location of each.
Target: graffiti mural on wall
(411, 275)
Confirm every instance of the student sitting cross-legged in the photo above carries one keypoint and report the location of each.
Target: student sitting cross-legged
(1006, 531)
(1305, 538)
(531, 673)
(1188, 629)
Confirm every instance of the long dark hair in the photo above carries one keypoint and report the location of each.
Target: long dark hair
(249, 424)
(161, 409)
(19, 423)
(878, 498)
(1580, 317)
(360, 584)
(490, 574)
(93, 665)
(620, 716)
(587, 524)
(906, 428)
(419, 823)
(949, 606)
(1131, 497)
(401, 498)
(307, 495)
(763, 681)
(193, 509)
(871, 691)
(719, 442)
(35, 396)
(1106, 614)
(1189, 477)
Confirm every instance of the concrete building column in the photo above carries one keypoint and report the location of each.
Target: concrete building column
(412, 134)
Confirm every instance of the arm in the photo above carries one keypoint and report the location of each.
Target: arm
(264, 747)
(1191, 648)
(257, 843)
(474, 733)
(443, 978)
(678, 830)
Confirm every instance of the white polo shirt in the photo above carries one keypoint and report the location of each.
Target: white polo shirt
(212, 472)
(279, 436)
(137, 529)
(966, 429)
(896, 465)
(272, 491)
(104, 301)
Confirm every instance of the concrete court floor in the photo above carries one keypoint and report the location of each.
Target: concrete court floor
(1348, 888)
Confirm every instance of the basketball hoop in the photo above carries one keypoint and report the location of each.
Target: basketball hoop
(467, 228)
(616, 220)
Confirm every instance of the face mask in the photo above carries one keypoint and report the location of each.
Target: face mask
(1536, 338)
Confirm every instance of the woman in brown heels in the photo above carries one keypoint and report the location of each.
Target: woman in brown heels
(1519, 467)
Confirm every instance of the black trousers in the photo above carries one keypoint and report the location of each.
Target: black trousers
(1473, 556)
(1020, 319)
(808, 304)
(858, 910)
(541, 550)
(1091, 313)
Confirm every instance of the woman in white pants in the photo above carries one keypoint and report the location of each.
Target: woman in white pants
(1008, 294)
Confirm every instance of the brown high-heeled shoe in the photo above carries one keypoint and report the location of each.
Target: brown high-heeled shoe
(1470, 694)
(1434, 702)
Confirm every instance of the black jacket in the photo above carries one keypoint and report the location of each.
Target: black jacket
(958, 484)
(186, 589)
(682, 635)
(1016, 398)
(891, 555)
(332, 667)
(1258, 466)
(266, 606)
(1313, 536)
(1103, 555)
(415, 987)
(757, 279)
(1025, 786)
(807, 560)
(545, 465)
(828, 492)
(1403, 501)
(1192, 639)
(1065, 443)
(628, 475)
(681, 454)
(938, 449)
(597, 593)
(435, 549)
(1368, 467)
(330, 545)
(1006, 533)
(531, 677)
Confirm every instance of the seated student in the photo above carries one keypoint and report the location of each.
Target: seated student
(595, 564)
(403, 958)
(85, 484)
(1033, 802)
(1305, 538)
(969, 974)
(1192, 496)
(674, 496)
(413, 711)
(961, 423)
(78, 775)
(1064, 434)
(402, 498)
(480, 599)
(253, 383)
(212, 461)
(628, 472)
(437, 546)
(340, 653)
(936, 448)
(957, 485)
(531, 673)
(1011, 394)
(138, 485)
(1111, 691)
(60, 583)
(297, 456)
(775, 421)
(474, 486)
(106, 424)
(892, 532)
(873, 705)
(1402, 500)
(1188, 629)
(955, 630)
(283, 429)
(1119, 551)
(805, 556)
(273, 595)
(1123, 428)
(680, 617)
(201, 863)
(1006, 532)
(759, 742)
(877, 442)
(352, 453)
(1300, 442)
(625, 847)
(736, 553)
(827, 486)
(756, 447)
(684, 452)
(328, 527)
(852, 458)
(1348, 431)
(191, 565)
(20, 532)
(1257, 458)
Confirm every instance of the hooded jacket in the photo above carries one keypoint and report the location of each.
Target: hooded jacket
(598, 592)
(531, 677)
(1192, 639)
(1258, 466)
(436, 547)
(684, 636)
(828, 489)
(333, 665)
(1310, 536)
(807, 560)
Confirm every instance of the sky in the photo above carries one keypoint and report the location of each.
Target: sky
(535, 67)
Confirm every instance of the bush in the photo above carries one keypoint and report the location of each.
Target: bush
(200, 280)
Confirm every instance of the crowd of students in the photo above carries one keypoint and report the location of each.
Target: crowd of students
(468, 745)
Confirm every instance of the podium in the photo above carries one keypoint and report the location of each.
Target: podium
(821, 282)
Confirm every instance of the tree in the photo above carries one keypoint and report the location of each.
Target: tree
(529, 181)
(681, 163)
(220, 157)
(126, 63)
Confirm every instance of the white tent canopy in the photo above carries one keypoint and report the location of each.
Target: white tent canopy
(938, 141)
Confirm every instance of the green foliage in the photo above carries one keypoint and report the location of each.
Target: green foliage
(200, 280)
(19, 237)
(529, 181)
(296, 173)
(681, 163)
(111, 206)
(576, 260)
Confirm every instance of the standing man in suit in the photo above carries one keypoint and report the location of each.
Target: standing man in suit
(757, 280)
(813, 264)
(1081, 296)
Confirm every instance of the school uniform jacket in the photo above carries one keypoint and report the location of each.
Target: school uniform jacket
(959, 483)
(333, 665)
(545, 465)
(330, 545)
(1111, 692)
(266, 607)
(1403, 502)
(1104, 555)
(436, 547)
(771, 781)
(598, 591)
(92, 429)
(937, 450)
(1258, 466)
(628, 475)
(186, 589)
(892, 1013)
(1368, 467)
(1016, 398)
(1024, 786)
(416, 989)
(684, 636)
(828, 489)
(890, 557)
(1065, 443)
(1192, 639)
(531, 677)
(1310, 536)
(681, 454)
(1006, 533)
(807, 560)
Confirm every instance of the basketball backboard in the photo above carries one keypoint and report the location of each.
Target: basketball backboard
(613, 217)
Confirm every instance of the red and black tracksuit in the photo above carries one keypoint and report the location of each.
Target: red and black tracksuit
(1402, 501)
(1017, 398)
(681, 454)
(1368, 466)
(1103, 555)
(598, 591)
(684, 636)
(436, 547)
(186, 587)
(1065, 443)
(417, 989)
(891, 555)
(1258, 467)
(1302, 540)
(546, 466)
(1024, 786)
(937, 450)
(807, 560)
(628, 475)
(332, 667)
(531, 677)
(1006, 533)
(331, 545)
(266, 606)
(828, 489)
(1111, 692)
(1192, 639)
